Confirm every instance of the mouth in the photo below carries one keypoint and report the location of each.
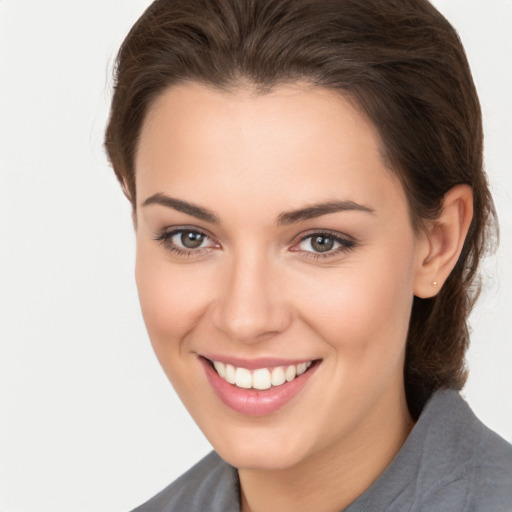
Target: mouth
(259, 378)
(257, 388)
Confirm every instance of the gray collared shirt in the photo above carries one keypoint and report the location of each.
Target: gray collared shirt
(450, 462)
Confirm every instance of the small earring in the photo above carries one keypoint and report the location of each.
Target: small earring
(434, 283)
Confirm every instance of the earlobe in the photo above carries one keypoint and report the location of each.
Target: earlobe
(443, 241)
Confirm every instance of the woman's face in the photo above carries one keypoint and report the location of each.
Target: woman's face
(272, 239)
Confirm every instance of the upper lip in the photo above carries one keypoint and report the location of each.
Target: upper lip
(255, 363)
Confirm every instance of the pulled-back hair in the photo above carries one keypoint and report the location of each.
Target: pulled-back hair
(399, 61)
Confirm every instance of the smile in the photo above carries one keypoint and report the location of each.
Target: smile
(257, 388)
(260, 378)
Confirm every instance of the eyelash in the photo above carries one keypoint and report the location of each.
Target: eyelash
(344, 244)
(165, 238)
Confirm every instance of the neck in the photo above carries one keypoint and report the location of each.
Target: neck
(331, 480)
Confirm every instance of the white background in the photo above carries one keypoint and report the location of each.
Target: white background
(88, 420)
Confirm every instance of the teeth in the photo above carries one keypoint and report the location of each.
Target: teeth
(301, 368)
(278, 377)
(290, 373)
(221, 368)
(243, 378)
(262, 378)
(230, 374)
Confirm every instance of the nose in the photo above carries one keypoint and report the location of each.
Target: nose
(251, 304)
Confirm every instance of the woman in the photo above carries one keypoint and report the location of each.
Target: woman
(310, 209)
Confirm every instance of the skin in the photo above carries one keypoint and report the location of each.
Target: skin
(256, 288)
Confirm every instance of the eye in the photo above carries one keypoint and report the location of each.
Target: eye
(318, 243)
(186, 241)
(189, 239)
(323, 244)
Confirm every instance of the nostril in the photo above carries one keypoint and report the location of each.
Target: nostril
(249, 307)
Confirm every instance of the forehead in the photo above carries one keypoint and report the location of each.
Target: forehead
(295, 141)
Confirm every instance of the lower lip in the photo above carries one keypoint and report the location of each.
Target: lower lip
(253, 402)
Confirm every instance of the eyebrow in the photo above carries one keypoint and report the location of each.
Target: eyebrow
(320, 209)
(182, 206)
(284, 219)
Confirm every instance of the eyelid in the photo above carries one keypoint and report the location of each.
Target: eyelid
(346, 243)
(337, 235)
(167, 232)
(165, 236)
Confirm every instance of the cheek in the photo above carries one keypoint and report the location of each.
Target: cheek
(171, 299)
(364, 311)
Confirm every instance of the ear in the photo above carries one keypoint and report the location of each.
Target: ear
(443, 241)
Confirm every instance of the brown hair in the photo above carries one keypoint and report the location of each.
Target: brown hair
(400, 62)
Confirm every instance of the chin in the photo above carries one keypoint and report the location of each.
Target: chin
(271, 452)
(255, 459)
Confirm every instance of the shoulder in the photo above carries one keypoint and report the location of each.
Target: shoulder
(456, 437)
(467, 466)
(211, 484)
(450, 461)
